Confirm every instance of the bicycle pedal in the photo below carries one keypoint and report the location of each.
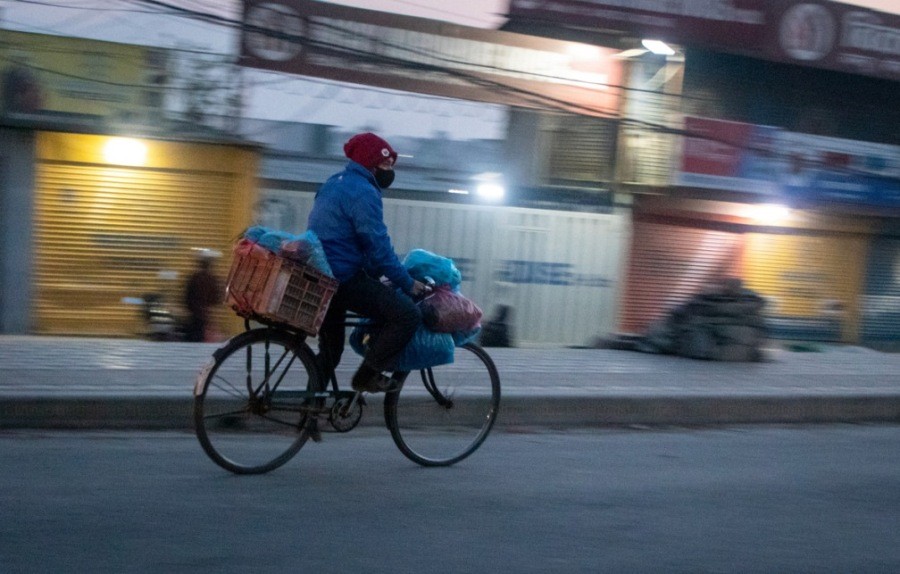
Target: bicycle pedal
(315, 434)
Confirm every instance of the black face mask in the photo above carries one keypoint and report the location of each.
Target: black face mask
(384, 177)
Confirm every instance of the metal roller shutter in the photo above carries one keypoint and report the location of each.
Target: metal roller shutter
(881, 302)
(811, 282)
(669, 264)
(103, 233)
(582, 151)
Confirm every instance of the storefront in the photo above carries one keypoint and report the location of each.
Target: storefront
(809, 266)
(114, 217)
(881, 300)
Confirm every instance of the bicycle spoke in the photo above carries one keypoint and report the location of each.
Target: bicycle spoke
(292, 424)
(435, 428)
(226, 414)
(258, 388)
(231, 389)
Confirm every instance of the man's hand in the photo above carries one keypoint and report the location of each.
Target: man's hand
(419, 289)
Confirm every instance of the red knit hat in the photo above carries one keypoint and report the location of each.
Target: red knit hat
(368, 150)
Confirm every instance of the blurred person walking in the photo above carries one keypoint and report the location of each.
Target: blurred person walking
(202, 291)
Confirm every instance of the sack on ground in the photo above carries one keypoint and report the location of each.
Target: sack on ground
(446, 311)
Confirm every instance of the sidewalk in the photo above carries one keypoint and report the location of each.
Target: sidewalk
(67, 382)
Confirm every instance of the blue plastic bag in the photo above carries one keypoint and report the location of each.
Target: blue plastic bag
(460, 338)
(273, 240)
(421, 264)
(426, 349)
(255, 232)
(317, 258)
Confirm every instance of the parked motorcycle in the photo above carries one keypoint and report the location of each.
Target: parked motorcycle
(160, 324)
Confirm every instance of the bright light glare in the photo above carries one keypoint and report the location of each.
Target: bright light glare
(769, 214)
(459, 191)
(125, 151)
(490, 191)
(658, 47)
(632, 53)
(583, 51)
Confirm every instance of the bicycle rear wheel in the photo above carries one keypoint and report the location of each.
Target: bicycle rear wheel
(448, 416)
(253, 402)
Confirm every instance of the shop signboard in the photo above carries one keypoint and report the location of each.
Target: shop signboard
(822, 168)
(736, 156)
(821, 34)
(732, 156)
(374, 48)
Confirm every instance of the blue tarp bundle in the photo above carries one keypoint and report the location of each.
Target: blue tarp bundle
(427, 348)
(286, 244)
(423, 265)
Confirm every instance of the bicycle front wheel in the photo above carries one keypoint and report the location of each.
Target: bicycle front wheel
(449, 415)
(254, 403)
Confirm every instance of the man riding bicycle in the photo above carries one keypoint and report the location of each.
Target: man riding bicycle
(348, 217)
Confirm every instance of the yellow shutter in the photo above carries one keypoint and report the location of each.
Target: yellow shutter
(107, 232)
(809, 280)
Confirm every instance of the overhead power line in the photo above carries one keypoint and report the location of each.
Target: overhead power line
(104, 8)
(526, 96)
(530, 97)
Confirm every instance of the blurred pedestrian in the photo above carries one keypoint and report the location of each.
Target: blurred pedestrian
(202, 291)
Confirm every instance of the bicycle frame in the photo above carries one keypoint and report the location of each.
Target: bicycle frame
(259, 375)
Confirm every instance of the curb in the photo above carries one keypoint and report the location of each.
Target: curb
(174, 413)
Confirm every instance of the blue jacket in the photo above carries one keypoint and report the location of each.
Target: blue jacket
(348, 217)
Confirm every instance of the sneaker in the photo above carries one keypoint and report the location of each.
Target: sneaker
(368, 381)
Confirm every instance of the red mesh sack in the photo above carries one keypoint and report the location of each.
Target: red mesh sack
(445, 311)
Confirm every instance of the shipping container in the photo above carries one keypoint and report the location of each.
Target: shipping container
(557, 270)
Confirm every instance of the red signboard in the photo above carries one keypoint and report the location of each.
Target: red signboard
(717, 147)
(426, 56)
(821, 34)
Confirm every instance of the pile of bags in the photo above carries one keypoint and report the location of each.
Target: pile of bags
(449, 319)
(725, 324)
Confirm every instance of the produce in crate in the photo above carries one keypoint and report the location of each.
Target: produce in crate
(264, 285)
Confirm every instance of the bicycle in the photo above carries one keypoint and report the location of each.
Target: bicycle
(266, 382)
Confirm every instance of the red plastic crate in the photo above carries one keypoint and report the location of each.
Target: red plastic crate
(265, 286)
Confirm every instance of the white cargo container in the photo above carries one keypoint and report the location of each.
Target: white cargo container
(559, 270)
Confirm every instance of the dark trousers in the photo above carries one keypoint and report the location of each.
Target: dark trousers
(394, 314)
(195, 329)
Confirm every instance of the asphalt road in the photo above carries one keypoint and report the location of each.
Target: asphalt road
(761, 499)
